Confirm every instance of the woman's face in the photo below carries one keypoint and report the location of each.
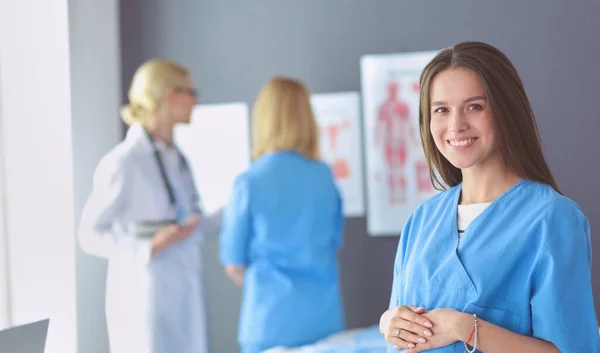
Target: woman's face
(462, 121)
(181, 100)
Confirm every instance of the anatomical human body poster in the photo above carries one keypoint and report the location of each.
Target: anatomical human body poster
(338, 117)
(397, 173)
(217, 146)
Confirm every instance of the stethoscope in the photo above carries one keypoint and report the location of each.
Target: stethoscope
(179, 212)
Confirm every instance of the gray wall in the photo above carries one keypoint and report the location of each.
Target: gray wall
(95, 96)
(233, 47)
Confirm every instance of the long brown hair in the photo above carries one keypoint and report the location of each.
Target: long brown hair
(518, 136)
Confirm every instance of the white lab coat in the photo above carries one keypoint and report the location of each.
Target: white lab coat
(153, 305)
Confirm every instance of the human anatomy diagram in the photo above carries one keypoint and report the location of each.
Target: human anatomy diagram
(338, 162)
(396, 137)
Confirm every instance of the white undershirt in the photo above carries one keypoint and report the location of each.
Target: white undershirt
(468, 213)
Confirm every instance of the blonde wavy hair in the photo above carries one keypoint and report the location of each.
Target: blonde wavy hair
(283, 119)
(148, 88)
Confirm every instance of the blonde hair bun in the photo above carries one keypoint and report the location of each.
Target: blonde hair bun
(150, 82)
(133, 113)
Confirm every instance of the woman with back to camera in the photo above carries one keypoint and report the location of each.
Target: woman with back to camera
(283, 227)
(500, 261)
(143, 216)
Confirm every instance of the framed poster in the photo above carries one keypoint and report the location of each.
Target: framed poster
(397, 173)
(338, 117)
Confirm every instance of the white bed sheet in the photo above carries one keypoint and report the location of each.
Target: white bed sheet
(361, 340)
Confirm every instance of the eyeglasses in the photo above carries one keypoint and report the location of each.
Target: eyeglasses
(189, 91)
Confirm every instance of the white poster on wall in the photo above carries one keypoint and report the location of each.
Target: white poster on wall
(338, 117)
(397, 171)
(217, 146)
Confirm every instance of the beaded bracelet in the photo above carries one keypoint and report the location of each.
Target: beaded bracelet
(474, 333)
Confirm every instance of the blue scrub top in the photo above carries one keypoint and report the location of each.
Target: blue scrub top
(285, 222)
(523, 264)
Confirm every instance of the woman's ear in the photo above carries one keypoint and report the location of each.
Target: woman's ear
(169, 94)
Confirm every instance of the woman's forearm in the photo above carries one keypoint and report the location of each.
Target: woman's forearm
(236, 273)
(495, 339)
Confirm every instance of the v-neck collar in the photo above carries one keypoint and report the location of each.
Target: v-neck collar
(449, 236)
(482, 215)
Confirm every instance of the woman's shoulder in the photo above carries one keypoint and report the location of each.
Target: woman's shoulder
(440, 200)
(549, 202)
(275, 163)
(557, 222)
(436, 208)
(119, 158)
(547, 215)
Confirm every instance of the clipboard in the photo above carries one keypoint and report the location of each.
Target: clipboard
(147, 229)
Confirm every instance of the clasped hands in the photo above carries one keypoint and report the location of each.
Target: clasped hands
(414, 329)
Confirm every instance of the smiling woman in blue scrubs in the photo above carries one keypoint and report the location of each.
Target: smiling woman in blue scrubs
(500, 259)
(283, 227)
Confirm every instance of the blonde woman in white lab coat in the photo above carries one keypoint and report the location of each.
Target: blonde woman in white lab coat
(154, 293)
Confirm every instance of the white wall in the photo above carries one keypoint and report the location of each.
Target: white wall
(95, 96)
(4, 280)
(59, 89)
(36, 138)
